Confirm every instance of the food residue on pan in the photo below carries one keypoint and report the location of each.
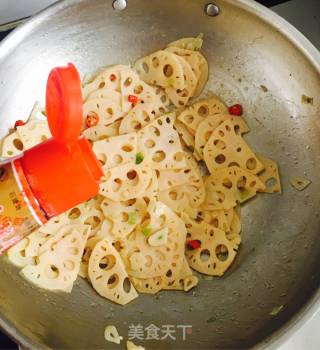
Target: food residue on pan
(177, 169)
(264, 88)
(306, 99)
(300, 183)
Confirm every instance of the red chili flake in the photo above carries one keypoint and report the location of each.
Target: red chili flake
(236, 109)
(19, 123)
(113, 77)
(133, 99)
(193, 244)
(92, 120)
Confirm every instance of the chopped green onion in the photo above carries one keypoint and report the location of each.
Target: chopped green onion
(170, 82)
(276, 310)
(146, 231)
(133, 217)
(139, 158)
(244, 194)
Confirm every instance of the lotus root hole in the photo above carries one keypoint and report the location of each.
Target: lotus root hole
(69, 265)
(220, 159)
(168, 70)
(251, 164)
(74, 214)
(271, 182)
(107, 262)
(52, 271)
(126, 285)
(94, 221)
(227, 183)
(113, 281)
(117, 158)
(116, 184)
(241, 183)
(203, 111)
(205, 255)
(158, 156)
(189, 119)
(18, 144)
(222, 252)
(155, 62)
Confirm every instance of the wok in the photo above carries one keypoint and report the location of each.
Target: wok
(257, 59)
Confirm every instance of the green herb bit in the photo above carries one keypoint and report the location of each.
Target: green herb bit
(133, 217)
(139, 158)
(276, 310)
(244, 194)
(146, 231)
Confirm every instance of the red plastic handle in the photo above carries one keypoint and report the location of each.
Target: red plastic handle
(64, 104)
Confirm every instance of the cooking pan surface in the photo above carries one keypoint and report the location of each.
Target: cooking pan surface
(255, 59)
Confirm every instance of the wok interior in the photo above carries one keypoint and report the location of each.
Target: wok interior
(278, 260)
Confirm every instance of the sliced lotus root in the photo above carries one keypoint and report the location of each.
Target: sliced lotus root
(225, 148)
(270, 175)
(204, 74)
(108, 275)
(195, 114)
(106, 111)
(125, 216)
(126, 181)
(86, 215)
(216, 218)
(57, 268)
(216, 252)
(182, 280)
(90, 244)
(108, 78)
(198, 63)
(54, 224)
(187, 138)
(180, 97)
(17, 254)
(162, 102)
(106, 94)
(101, 132)
(116, 151)
(188, 43)
(132, 85)
(36, 240)
(37, 112)
(82, 230)
(161, 68)
(171, 178)
(151, 192)
(95, 202)
(188, 195)
(228, 186)
(145, 261)
(210, 123)
(137, 118)
(33, 133)
(12, 145)
(159, 143)
(233, 233)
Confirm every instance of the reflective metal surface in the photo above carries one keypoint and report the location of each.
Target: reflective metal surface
(256, 59)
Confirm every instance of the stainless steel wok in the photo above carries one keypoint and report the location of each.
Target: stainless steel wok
(257, 59)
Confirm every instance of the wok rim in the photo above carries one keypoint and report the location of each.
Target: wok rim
(312, 306)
